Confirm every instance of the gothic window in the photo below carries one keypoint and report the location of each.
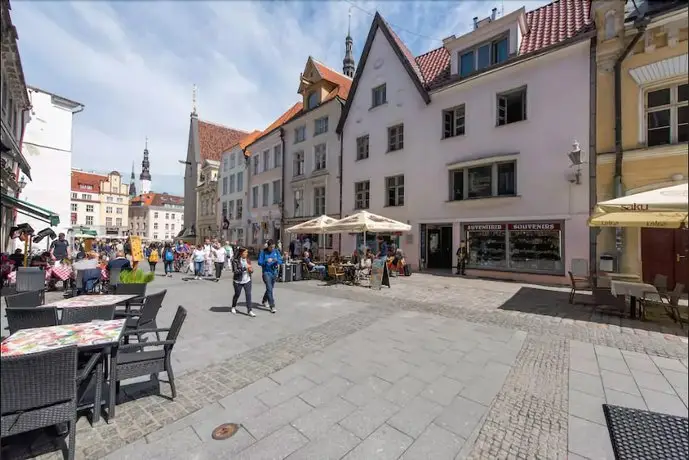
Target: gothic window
(610, 26)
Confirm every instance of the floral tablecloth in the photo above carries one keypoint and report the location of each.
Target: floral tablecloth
(90, 301)
(28, 341)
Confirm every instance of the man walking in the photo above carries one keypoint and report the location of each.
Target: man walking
(59, 249)
(269, 260)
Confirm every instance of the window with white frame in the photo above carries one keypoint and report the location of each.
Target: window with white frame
(224, 210)
(254, 197)
(298, 163)
(312, 100)
(379, 95)
(232, 184)
(667, 115)
(362, 194)
(318, 201)
(118, 210)
(277, 156)
(232, 160)
(362, 147)
(74, 196)
(167, 226)
(74, 206)
(299, 134)
(511, 106)
(85, 196)
(396, 137)
(108, 209)
(240, 181)
(320, 126)
(89, 208)
(118, 222)
(277, 191)
(266, 160)
(265, 194)
(89, 220)
(299, 203)
(484, 181)
(224, 185)
(230, 210)
(172, 226)
(155, 236)
(155, 215)
(453, 122)
(108, 221)
(394, 190)
(240, 208)
(225, 162)
(108, 199)
(257, 164)
(319, 157)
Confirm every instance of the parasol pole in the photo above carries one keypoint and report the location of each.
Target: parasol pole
(26, 251)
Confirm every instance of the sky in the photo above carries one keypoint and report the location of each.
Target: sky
(133, 64)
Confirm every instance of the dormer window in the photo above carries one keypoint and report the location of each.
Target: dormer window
(312, 100)
(484, 55)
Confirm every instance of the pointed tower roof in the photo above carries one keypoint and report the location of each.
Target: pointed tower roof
(132, 185)
(348, 65)
(145, 165)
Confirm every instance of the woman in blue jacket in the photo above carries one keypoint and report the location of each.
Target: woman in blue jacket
(269, 260)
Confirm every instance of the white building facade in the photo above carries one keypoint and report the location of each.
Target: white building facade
(47, 147)
(465, 144)
(156, 216)
(233, 179)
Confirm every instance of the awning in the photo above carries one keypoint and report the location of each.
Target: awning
(31, 210)
(657, 219)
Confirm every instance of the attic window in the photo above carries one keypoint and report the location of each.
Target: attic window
(312, 100)
(484, 55)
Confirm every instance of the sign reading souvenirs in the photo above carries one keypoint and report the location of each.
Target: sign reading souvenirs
(484, 227)
(534, 226)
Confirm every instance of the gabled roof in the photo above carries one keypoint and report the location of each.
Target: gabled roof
(214, 139)
(281, 120)
(80, 178)
(158, 199)
(343, 82)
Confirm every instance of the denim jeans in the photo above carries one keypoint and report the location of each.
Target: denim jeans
(198, 268)
(269, 281)
(247, 294)
(168, 266)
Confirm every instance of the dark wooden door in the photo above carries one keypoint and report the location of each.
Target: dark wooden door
(665, 252)
(439, 246)
(682, 257)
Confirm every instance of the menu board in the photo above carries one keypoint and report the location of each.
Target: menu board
(137, 252)
(379, 274)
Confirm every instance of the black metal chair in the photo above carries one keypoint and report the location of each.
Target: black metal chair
(76, 315)
(39, 390)
(139, 290)
(26, 299)
(146, 317)
(113, 279)
(134, 360)
(30, 279)
(31, 317)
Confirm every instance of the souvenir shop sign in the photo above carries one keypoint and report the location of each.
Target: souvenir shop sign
(535, 226)
(379, 274)
(485, 227)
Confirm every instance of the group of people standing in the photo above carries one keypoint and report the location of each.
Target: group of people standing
(269, 259)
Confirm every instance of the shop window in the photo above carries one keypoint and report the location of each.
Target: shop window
(453, 122)
(395, 138)
(394, 188)
(511, 107)
(362, 194)
(362, 147)
(536, 247)
(667, 115)
(486, 246)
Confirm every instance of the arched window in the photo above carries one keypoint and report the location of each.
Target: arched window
(312, 100)
(610, 26)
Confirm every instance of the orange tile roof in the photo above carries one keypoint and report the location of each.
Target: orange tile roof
(343, 82)
(281, 120)
(249, 139)
(81, 178)
(157, 199)
(214, 139)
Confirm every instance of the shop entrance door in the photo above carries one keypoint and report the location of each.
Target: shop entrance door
(665, 252)
(439, 244)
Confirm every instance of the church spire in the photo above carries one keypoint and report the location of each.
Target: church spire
(132, 183)
(194, 91)
(145, 176)
(348, 61)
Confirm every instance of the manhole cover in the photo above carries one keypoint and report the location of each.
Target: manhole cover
(225, 431)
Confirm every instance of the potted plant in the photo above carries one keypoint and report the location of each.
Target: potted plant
(136, 277)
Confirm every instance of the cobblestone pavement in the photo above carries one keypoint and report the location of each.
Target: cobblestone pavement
(431, 368)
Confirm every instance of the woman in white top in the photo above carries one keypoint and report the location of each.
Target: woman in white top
(218, 253)
(199, 258)
(242, 270)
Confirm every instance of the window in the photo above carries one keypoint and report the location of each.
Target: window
(240, 181)
(74, 218)
(512, 107)
(108, 221)
(118, 222)
(361, 194)
(89, 220)
(298, 163)
(108, 199)
(394, 188)
(224, 185)
(172, 226)
(240, 208)
(378, 96)
(232, 161)
(318, 201)
(319, 156)
(266, 160)
(453, 122)
(320, 126)
(118, 210)
(254, 197)
(667, 115)
(155, 215)
(155, 225)
(231, 186)
(257, 164)
(362, 147)
(224, 209)
(89, 208)
(225, 162)
(230, 210)
(84, 196)
(496, 179)
(74, 196)
(74, 207)
(167, 226)
(120, 200)
(299, 134)
(298, 203)
(167, 215)
(108, 209)
(155, 236)
(395, 138)
(483, 56)
(312, 100)
(610, 28)
(277, 156)
(265, 194)
(277, 191)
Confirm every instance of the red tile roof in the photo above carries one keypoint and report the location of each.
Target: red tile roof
(343, 82)
(214, 139)
(86, 182)
(157, 199)
(548, 25)
(281, 120)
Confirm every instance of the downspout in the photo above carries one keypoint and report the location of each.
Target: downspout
(341, 136)
(282, 186)
(619, 152)
(593, 158)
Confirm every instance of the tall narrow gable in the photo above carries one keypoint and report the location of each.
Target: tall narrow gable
(402, 53)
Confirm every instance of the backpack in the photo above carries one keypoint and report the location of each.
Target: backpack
(154, 256)
(169, 256)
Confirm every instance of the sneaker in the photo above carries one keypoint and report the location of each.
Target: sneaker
(272, 309)
(233, 311)
(252, 314)
(265, 304)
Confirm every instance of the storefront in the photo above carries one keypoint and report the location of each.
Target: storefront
(525, 247)
(372, 243)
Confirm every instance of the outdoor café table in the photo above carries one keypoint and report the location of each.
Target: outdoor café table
(90, 301)
(100, 336)
(633, 289)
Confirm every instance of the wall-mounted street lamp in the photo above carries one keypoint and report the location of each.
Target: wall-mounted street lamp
(21, 184)
(184, 162)
(576, 157)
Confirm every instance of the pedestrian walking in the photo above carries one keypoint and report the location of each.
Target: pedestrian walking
(199, 258)
(269, 260)
(168, 259)
(219, 255)
(462, 257)
(242, 271)
(153, 257)
(208, 261)
(229, 254)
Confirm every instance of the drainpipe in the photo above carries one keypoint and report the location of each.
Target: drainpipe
(341, 136)
(593, 159)
(282, 186)
(619, 152)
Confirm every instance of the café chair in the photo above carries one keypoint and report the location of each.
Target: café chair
(77, 315)
(25, 299)
(31, 317)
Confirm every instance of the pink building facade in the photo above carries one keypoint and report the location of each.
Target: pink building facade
(474, 154)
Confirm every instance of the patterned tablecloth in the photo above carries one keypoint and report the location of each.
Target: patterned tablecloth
(39, 339)
(631, 288)
(90, 301)
(61, 273)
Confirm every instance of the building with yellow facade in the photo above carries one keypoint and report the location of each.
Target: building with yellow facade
(641, 118)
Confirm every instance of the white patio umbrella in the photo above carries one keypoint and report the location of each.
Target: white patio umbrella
(364, 221)
(317, 225)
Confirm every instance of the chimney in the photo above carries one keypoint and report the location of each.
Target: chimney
(493, 14)
(475, 22)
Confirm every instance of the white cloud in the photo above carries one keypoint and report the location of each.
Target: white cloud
(133, 63)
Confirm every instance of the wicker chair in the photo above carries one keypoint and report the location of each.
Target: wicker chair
(146, 317)
(30, 279)
(26, 299)
(113, 279)
(134, 361)
(28, 318)
(39, 390)
(77, 315)
(138, 290)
